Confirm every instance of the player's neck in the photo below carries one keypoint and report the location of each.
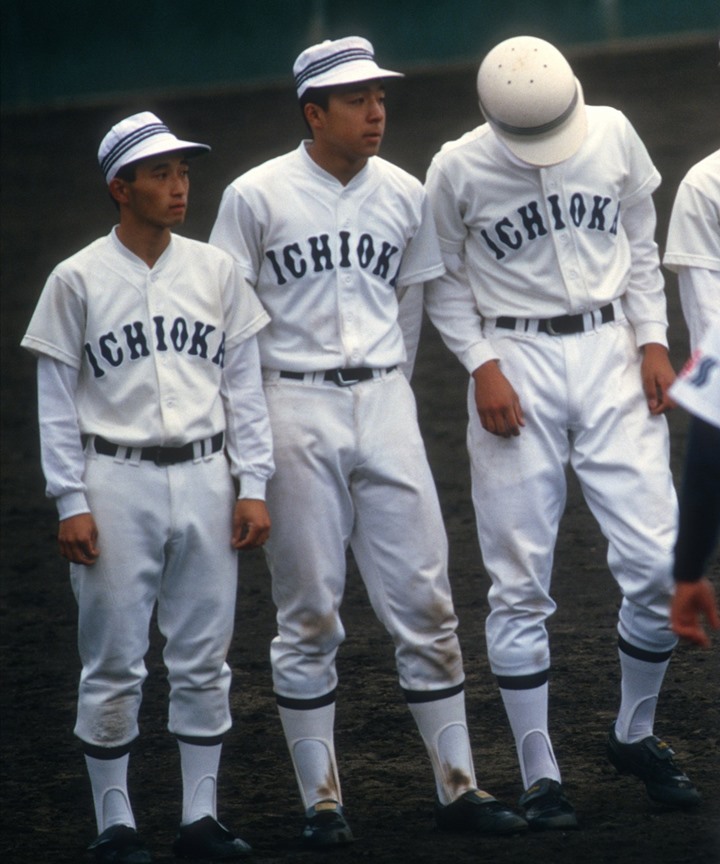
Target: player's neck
(337, 165)
(147, 242)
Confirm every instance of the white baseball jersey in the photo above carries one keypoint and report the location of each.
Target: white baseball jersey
(697, 387)
(150, 359)
(541, 242)
(148, 349)
(330, 290)
(693, 244)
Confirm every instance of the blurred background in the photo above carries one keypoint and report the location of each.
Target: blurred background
(84, 51)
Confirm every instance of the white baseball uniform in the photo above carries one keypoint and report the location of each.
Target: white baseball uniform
(158, 370)
(522, 245)
(693, 245)
(327, 261)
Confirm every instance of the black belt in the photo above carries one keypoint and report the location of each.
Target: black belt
(160, 455)
(342, 377)
(561, 325)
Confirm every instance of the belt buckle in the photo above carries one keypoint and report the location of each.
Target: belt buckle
(337, 378)
(549, 329)
(157, 457)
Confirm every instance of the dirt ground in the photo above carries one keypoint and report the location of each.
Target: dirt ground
(53, 203)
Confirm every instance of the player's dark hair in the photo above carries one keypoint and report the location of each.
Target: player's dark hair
(319, 96)
(128, 172)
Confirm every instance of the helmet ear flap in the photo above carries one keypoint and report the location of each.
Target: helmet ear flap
(532, 100)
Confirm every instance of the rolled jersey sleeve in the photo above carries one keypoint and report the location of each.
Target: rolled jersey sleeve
(249, 439)
(644, 300)
(449, 299)
(61, 450)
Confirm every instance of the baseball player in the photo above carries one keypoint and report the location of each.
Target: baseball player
(554, 302)
(697, 389)
(693, 245)
(333, 238)
(148, 372)
(693, 252)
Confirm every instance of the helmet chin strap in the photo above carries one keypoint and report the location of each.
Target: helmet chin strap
(532, 130)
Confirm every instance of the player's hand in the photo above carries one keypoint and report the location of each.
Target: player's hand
(692, 601)
(251, 524)
(77, 539)
(498, 405)
(657, 376)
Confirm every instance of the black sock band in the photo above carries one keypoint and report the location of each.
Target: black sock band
(306, 704)
(641, 654)
(199, 741)
(105, 753)
(523, 682)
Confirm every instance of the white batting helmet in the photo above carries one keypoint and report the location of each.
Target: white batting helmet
(532, 100)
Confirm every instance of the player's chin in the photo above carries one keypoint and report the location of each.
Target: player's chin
(176, 216)
(371, 144)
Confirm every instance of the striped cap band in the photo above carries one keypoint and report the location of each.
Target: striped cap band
(139, 137)
(327, 64)
(334, 63)
(123, 145)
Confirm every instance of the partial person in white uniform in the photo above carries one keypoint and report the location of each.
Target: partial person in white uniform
(697, 389)
(150, 406)
(338, 243)
(693, 252)
(554, 302)
(693, 245)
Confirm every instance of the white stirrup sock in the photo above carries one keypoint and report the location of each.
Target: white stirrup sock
(309, 736)
(108, 780)
(639, 689)
(443, 727)
(199, 765)
(527, 711)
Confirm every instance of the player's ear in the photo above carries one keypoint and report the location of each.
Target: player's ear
(313, 115)
(118, 190)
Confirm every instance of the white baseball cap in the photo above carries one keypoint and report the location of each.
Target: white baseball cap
(138, 137)
(335, 62)
(532, 100)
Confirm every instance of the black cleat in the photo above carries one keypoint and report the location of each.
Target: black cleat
(652, 761)
(478, 812)
(208, 840)
(325, 826)
(120, 844)
(546, 807)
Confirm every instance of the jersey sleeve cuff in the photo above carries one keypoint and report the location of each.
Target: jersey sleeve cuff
(477, 355)
(647, 333)
(252, 486)
(71, 504)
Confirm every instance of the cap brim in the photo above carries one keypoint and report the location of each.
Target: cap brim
(157, 148)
